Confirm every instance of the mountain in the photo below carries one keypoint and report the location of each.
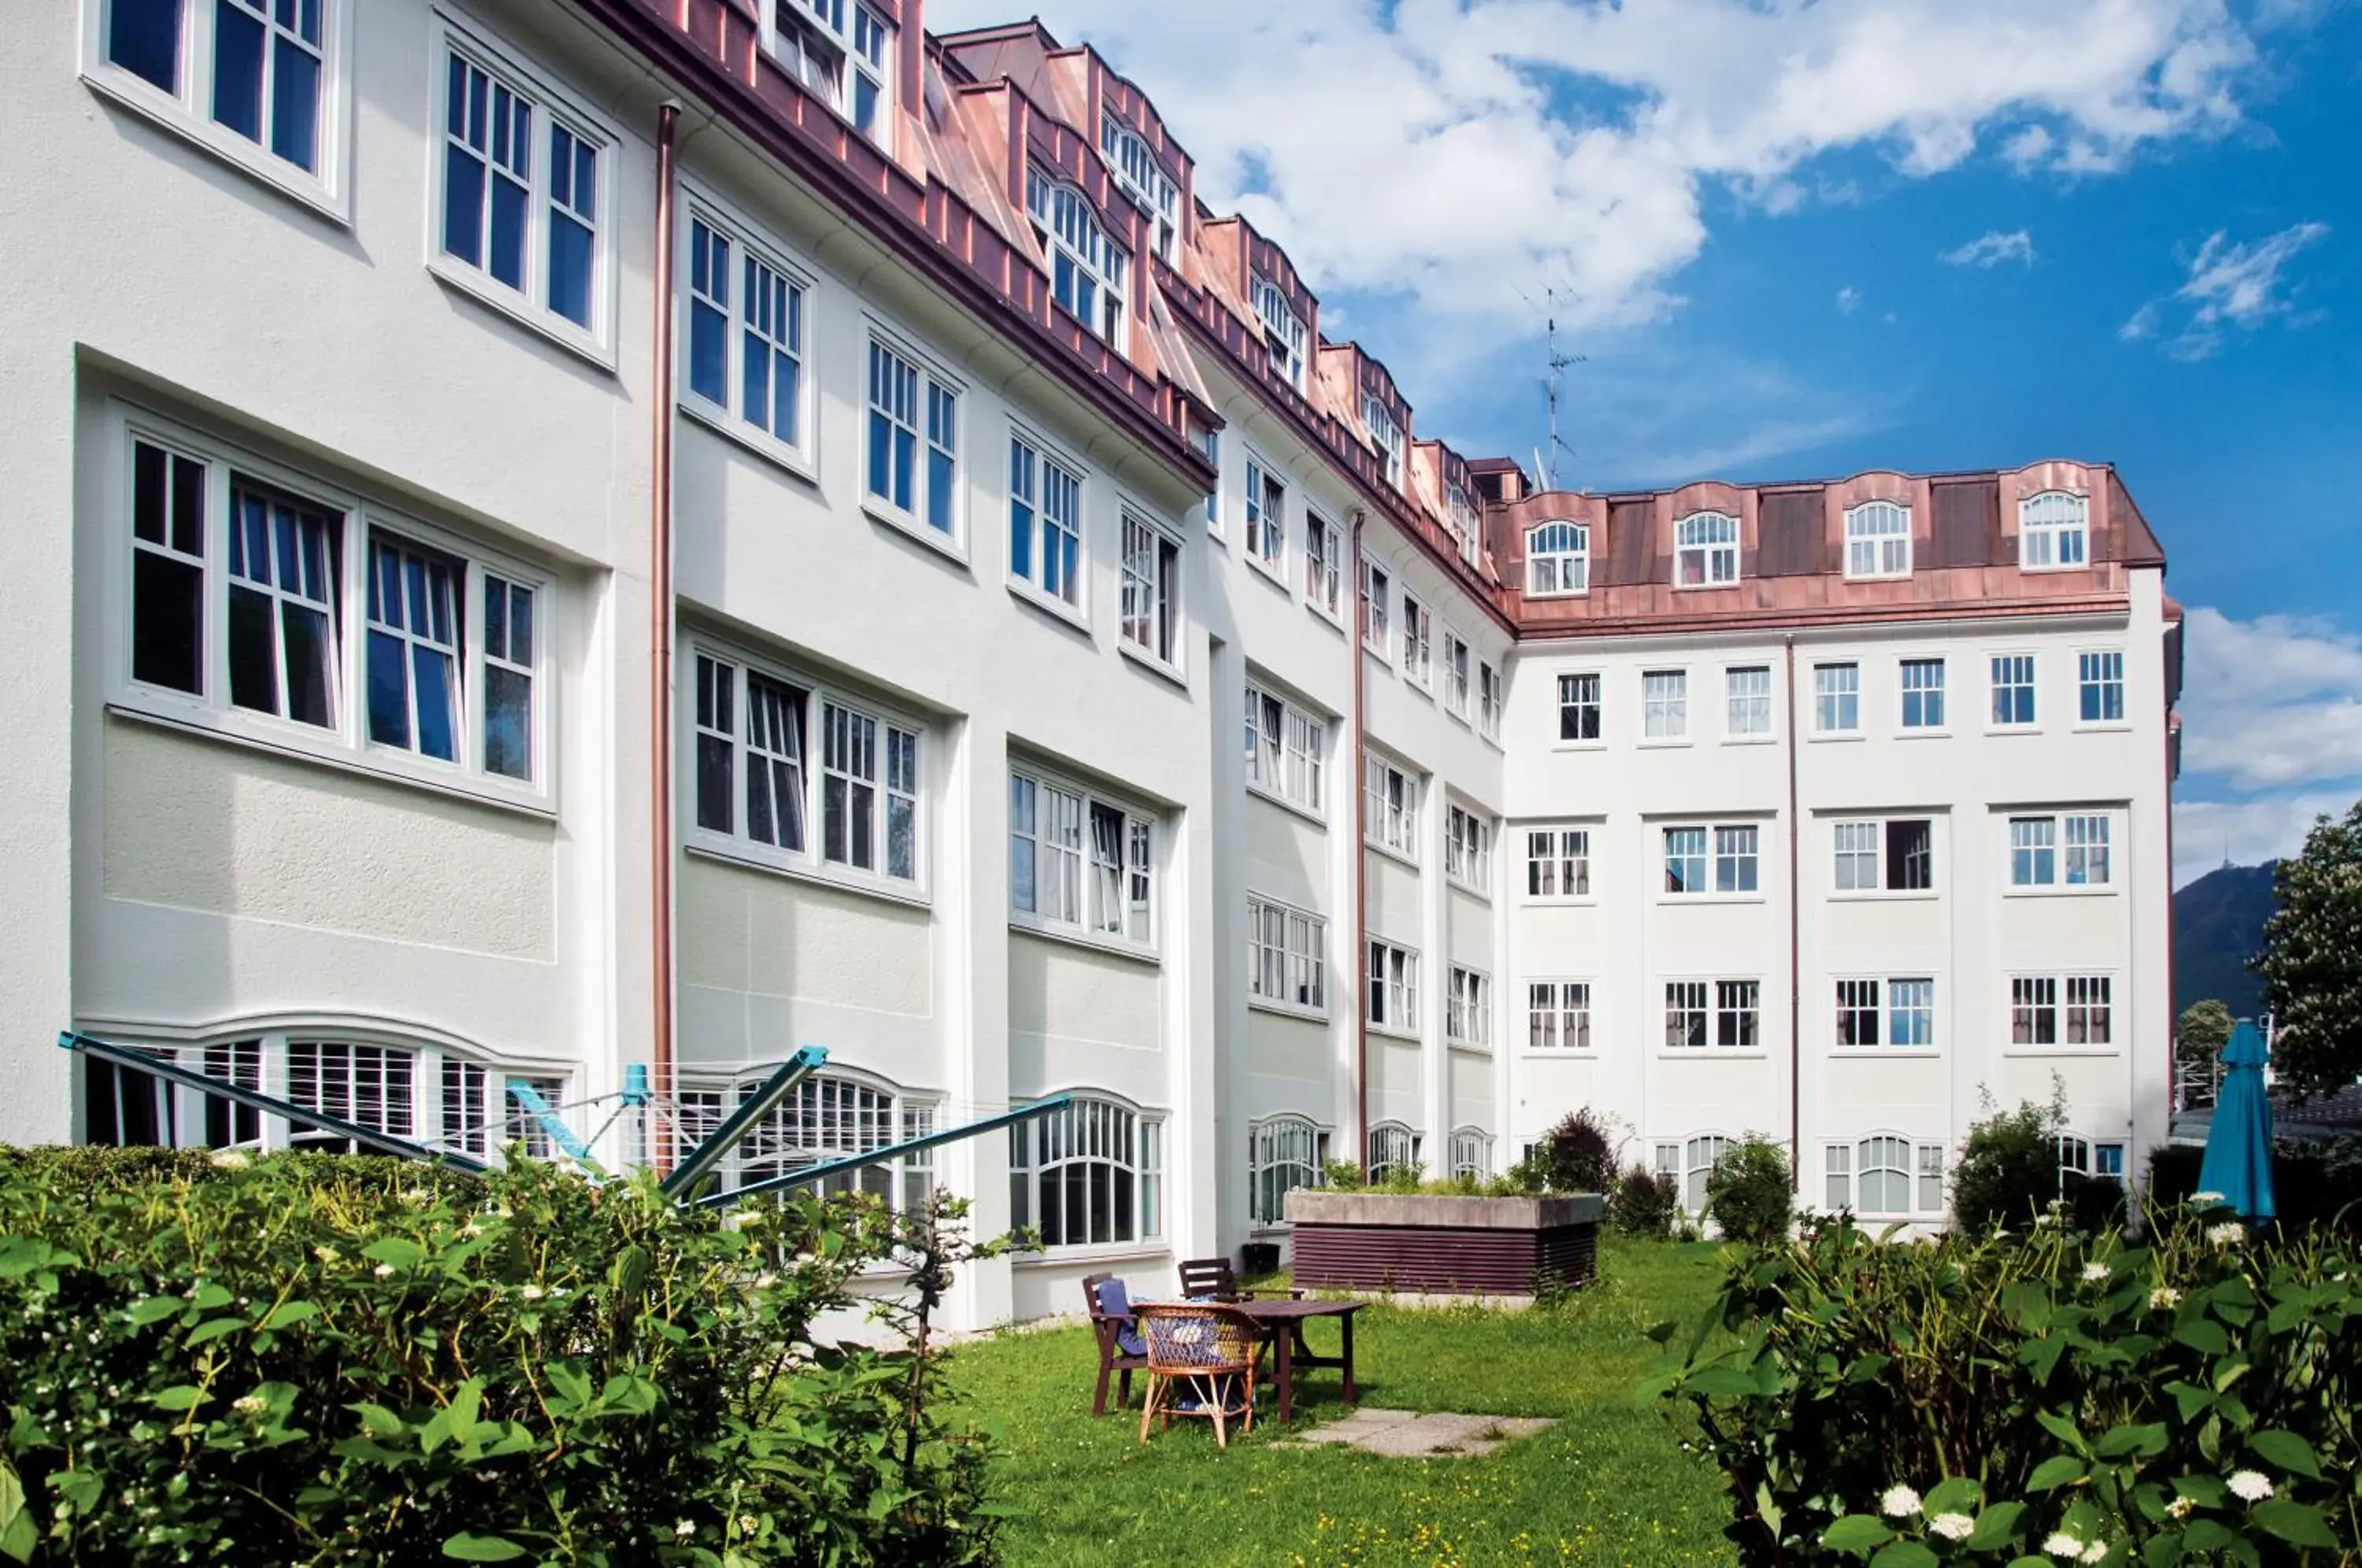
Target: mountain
(2218, 923)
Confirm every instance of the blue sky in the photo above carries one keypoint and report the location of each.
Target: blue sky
(1797, 239)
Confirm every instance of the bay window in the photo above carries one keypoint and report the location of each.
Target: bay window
(1089, 273)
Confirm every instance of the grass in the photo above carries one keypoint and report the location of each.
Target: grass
(1607, 1485)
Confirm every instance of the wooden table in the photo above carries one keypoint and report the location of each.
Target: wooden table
(1283, 1322)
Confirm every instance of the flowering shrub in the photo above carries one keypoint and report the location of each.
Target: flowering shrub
(2060, 1398)
(325, 1360)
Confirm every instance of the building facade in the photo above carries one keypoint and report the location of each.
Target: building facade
(630, 535)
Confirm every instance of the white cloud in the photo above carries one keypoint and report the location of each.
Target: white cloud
(2230, 285)
(1848, 300)
(1459, 152)
(2208, 833)
(1990, 251)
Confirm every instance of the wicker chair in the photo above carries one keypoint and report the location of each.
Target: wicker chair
(1202, 1359)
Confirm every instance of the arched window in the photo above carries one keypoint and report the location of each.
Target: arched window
(1558, 560)
(1705, 550)
(1472, 1152)
(1283, 1153)
(1087, 268)
(1089, 1173)
(1393, 1147)
(1896, 1178)
(1690, 1163)
(2093, 1161)
(2053, 531)
(1877, 540)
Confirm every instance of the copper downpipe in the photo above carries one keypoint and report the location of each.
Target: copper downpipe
(1358, 786)
(660, 634)
(1795, 951)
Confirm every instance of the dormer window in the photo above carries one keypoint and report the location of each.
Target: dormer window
(1558, 560)
(1705, 550)
(1877, 540)
(1282, 333)
(840, 50)
(1462, 514)
(1086, 268)
(1140, 177)
(2053, 531)
(1386, 434)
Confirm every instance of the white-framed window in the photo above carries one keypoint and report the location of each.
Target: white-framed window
(1578, 706)
(524, 196)
(1732, 865)
(850, 813)
(1490, 695)
(1286, 748)
(1045, 522)
(1394, 1147)
(1883, 1176)
(1323, 564)
(1690, 1161)
(1739, 1014)
(1287, 956)
(1465, 523)
(2053, 531)
(1923, 694)
(1837, 699)
(1377, 596)
(1138, 176)
(1747, 700)
(1418, 642)
(1089, 273)
(1689, 1017)
(1080, 863)
(1089, 1173)
(1392, 807)
(1266, 499)
(1284, 1153)
(1394, 989)
(1877, 540)
(261, 602)
(1705, 550)
(1385, 435)
(1558, 1015)
(1471, 1153)
(2038, 1016)
(1558, 560)
(262, 85)
(1895, 855)
(1468, 1007)
(1898, 1012)
(2100, 687)
(1209, 442)
(827, 1117)
(745, 351)
(844, 52)
(1558, 863)
(2095, 1160)
(1468, 849)
(2012, 690)
(1664, 704)
(912, 436)
(1283, 331)
(1151, 589)
(1456, 661)
(2035, 845)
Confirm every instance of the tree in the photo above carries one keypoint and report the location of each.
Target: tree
(2198, 1041)
(2311, 961)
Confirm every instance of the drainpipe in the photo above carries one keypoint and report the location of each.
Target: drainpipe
(660, 634)
(1359, 788)
(1795, 950)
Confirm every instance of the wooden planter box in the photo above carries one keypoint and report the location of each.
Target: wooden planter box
(1443, 1245)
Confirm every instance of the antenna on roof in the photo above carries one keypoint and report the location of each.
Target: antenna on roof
(1551, 385)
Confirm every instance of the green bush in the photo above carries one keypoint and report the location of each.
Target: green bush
(2002, 1397)
(2312, 1184)
(1578, 1154)
(1748, 1193)
(2008, 1169)
(322, 1360)
(1644, 1203)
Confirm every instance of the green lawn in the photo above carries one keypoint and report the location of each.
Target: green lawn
(1607, 1485)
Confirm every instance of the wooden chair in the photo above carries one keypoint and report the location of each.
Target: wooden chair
(1122, 1350)
(1213, 1279)
(1202, 1360)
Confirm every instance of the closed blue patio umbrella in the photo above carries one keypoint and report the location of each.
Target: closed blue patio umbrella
(2238, 1162)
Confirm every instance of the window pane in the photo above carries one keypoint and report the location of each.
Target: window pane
(167, 620)
(237, 69)
(295, 103)
(144, 37)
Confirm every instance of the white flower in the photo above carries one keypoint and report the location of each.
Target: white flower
(685, 1528)
(765, 1281)
(738, 1219)
(2206, 1199)
(2251, 1486)
(252, 1405)
(382, 1270)
(2061, 1544)
(2046, 1219)
(2230, 1233)
(471, 1229)
(231, 1159)
(2165, 1298)
(533, 1293)
(2095, 1272)
(2096, 1553)
(1900, 1502)
(2179, 1508)
(1953, 1527)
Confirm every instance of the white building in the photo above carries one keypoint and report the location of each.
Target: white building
(457, 633)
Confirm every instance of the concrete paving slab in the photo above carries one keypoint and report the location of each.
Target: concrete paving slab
(1411, 1434)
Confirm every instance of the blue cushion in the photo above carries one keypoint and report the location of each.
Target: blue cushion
(1115, 1301)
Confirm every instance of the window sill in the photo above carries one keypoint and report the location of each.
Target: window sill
(1580, 745)
(1684, 898)
(1879, 576)
(1458, 717)
(1884, 896)
(1264, 793)
(1706, 587)
(502, 300)
(1334, 620)
(1664, 743)
(1287, 1010)
(1558, 1053)
(1389, 851)
(1750, 740)
(1073, 616)
(169, 114)
(372, 762)
(1885, 1052)
(2099, 727)
(1387, 1031)
(1923, 732)
(1472, 889)
(1420, 688)
(908, 524)
(1714, 1054)
(2098, 1052)
(739, 433)
(1468, 1047)
(1161, 668)
(1075, 936)
(1996, 731)
(1555, 594)
(1273, 575)
(1091, 1251)
(702, 845)
(1577, 902)
(2097, 890)
(1831, 738)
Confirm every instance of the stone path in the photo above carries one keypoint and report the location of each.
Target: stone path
(1408, 1434)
